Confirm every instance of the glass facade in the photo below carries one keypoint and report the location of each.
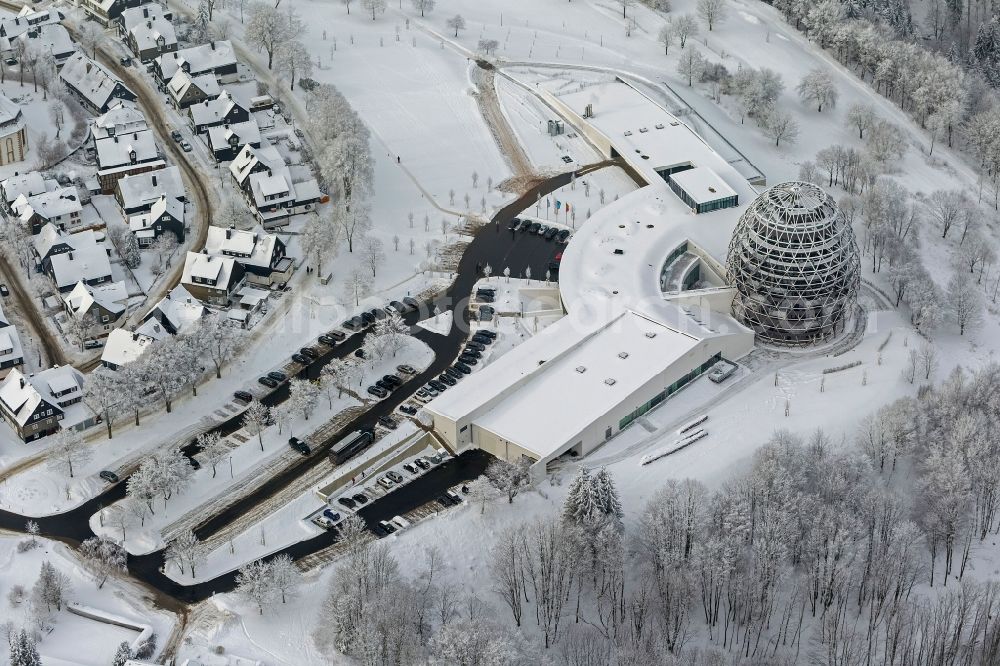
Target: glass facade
(627, 420)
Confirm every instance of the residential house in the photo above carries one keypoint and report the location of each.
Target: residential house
(217, 58)
(50, 241)
(60, 207)
(11, 351)
(211, 278)
(137, 194)
(226, 141)
(123, 347)
(261, 254)
(223, 110)
(122, 118)
(96, 87)
(38, 405)
(28, 19)
(99, 307)
(46, 38)
(166, 215)
(87, 261)
(269, 187)
(176, 313)
(134, 16)
(13, 133)
(184, 89)
(126, 155)
(106, 11)
(148, 33)
(28, 184)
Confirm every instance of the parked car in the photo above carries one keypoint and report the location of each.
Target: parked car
(339, 336)
(243, 396)
(360, 353)
(125, 61)
(462, 367)
(421, 463)
(472, 344)
(412, 302)
(437, 385)
(540, 230)
(406, 369)
(360, 498)
(395, 476)
(392, 380)
(444, 501)
(310, 352)
(563, 235)
(468, 359)
(109, 476)
(327, 340)
(447, 379)
(400, 522)
(268, 382)
(486, 291)
(176, 136)
(194, 463)
(387, 422)
(379, 313)
(431, 391)
(408, 409)
(277, 375)
(354, 323)
(93, 344)
(346, 502)
(398, 307)
(550, 234)
(453, 373)
(185, 146)
(487, 332)
(331, 515)
(299, 445)
(486, 298)
(514, 224)
(4, 291)
(368, 318)
(453, 496)
(526, 226)
(553, 267)
(482, 339)
(384, 385)
(385, 482)
(409, 468)
(378, 392)
(386, 526)
(474, 353)
(299, 358)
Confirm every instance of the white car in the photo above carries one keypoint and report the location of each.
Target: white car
(385, 482)
(400, 522)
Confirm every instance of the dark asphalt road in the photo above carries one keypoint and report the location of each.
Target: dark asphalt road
(493, 244)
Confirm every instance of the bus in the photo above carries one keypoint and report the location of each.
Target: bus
(350, 445)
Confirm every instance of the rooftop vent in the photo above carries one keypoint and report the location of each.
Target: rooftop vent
(650, 335)
(610, 381)
(581, 369)
(711, 189)
(622, 355)
(674, 123)
(643, 130)
(659, 125)
(628, 132)
(618, 250)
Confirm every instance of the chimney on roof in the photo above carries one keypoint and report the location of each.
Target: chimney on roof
(149, 24)
(229, 233)
(88, 68)
(135, 337)
(213, 45)
(145, 12)
(115, 137)
(22, 382)
(154, 180)
(71, 256)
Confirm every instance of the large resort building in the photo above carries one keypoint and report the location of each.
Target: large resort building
(643, 287)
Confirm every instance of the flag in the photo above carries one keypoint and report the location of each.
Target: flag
(558, 204)
(567, 206)
(548, 203)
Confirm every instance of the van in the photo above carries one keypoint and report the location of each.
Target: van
(93, 344)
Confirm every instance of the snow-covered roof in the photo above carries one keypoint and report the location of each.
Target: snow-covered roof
(252, 248)
(207, 267)
(703, 185)
(26, 20)
(219, 136)
(9, 112)
(147, 34)
(121, 118)
(248, 159)
(48, 205)
(28, 184)
(52, 38)
(135, 16)
(115, 151)
(144, 189)
(212, 110)
(142, 224)
(87, 261)
(124, 346)
(112, 296)
(10, 341)
(200, 59)
(47, 237)
(21, 393)
(179, 308)
(181, 82)
(89, 79)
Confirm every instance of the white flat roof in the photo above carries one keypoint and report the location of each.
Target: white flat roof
(703, 185)
(546, 413)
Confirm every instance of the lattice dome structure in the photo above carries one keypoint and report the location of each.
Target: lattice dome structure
(794, 262)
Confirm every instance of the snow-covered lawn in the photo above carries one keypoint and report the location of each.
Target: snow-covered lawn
(439, 323)
(75, 640)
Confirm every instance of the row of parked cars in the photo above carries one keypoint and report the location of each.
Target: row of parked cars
(389, 383)
(545, 231)
(366, 319)
(304, 356)
(470, 356)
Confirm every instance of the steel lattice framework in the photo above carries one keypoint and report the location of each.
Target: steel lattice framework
(794, 262)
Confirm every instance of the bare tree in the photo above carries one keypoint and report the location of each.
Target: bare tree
(456, 23)
(928, 359)
(423, 6)
(965, 301)
(861, 116)
(256, 418)
(357, 286)
(507, 570)
(948, 208)
(351, 222)
(508, 477)
(68, 451)
(712, 12)
(779, 125)
(817, 86)
(373, 253)
(691, 64)
(374, 6)
(105, 557)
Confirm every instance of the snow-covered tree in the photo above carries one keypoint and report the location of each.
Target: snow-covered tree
(691, 64)
(965, 301)
(346, 164)
(256, 418)
(220, 340)
(232, 212)
(508, 477)
(255, 584)
(68, 451)
(825, 18)
(292, 59)
(666, 36)
(351, 223)
(304, 394)
(187, 552)
(163, 250)
(456, 23)
(374, 6)
(391, 333)
(818, 87)
(886, 142)
(89, 36)
(23, 651)
(371, 250)
(949, 208)
(268, 28)
(423, 6)
(357, 286)
(123, 654)
(285, 576)
(213, 449)
(104, 557)
(712, 12)
(685, 27)
(51, 588)
(318, 239)
(781, 126)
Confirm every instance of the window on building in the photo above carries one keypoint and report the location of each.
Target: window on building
(10, 150)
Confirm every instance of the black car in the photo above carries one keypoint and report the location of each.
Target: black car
(452, 372)
(194, 463)
(409, 468)
(444, 500)
(277, 375)
(108, 476)
(125, 61)
(468, 360)
(486, 290)
(485, 298)
(398, 306)
(437, 385)
(377, 391)
(472, 344)
(4, 291)
(421, 463)
(447, 379)
(487, 332)
(485, 309)
(550, 234)
(354, 324)
(387, 422)
(268, 382)
(368, 318)
(310, 352)
(337, 335)
(412, 302)
(462, 367)
(299, 358)
(514, 224)
(482, 339)
(386, 526)
(563, 235)
(535, 228)
(553, 267)
(474, 353)
(176, 136)
(299, 445)
(360, 498)
(379, 313)
(327, 340)
(526, 226)
(392, 380)
(243, 396)
(408, 409)
(384, 385)
(346, 502)
(360, 353)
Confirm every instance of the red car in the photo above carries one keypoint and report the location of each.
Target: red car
(558, 256)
